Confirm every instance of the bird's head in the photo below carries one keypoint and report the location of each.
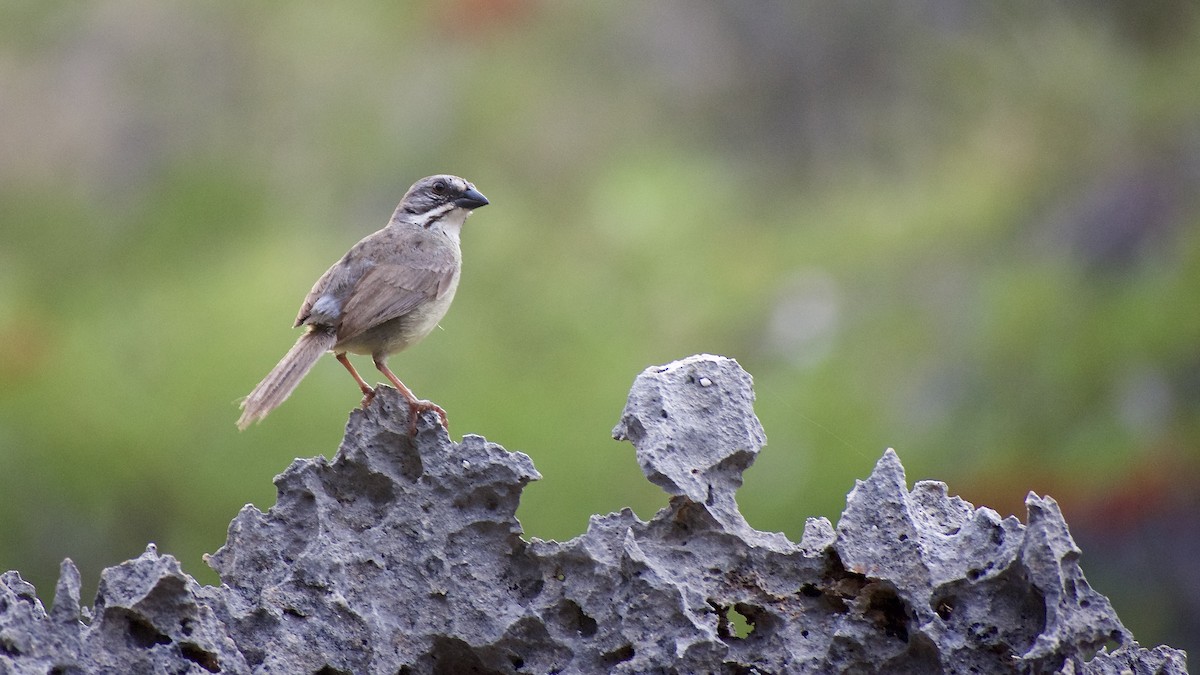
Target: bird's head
(436, 196)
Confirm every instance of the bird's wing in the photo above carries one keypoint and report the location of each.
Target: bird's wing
(387, 291)
(317, 290)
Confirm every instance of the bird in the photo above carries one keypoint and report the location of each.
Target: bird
(386, 294)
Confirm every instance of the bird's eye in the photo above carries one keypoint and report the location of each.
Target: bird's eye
(440, 187)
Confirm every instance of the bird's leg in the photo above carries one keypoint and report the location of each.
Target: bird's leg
(368, 392)
(415, 405)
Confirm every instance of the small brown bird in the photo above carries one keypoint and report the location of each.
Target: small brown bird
(387, 293)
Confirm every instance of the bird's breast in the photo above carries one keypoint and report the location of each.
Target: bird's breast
(403, 331)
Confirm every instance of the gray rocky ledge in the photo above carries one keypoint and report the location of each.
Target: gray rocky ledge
(404, 555)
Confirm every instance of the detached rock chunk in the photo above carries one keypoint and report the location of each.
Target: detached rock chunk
(695, 431)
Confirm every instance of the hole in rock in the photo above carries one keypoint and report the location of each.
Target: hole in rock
(330, 670)
(737, 622)
(575, 619)
(722, 613)
(839, 585)
(944, 608)
(199, 656)
(887, 610)
(618, 655)
(743, 619)
(143, 633)
(1115, 641)
(452, 656)
(356, 481)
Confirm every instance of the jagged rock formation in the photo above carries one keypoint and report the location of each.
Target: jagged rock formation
(403, 555)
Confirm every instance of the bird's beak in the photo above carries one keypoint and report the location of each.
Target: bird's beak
(471, 199)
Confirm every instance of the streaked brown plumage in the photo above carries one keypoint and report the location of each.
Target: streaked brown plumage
(387, 293)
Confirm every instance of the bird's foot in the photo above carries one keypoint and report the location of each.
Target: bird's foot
(368, 396)
(420, 406)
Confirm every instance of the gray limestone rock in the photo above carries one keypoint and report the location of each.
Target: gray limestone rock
(693, 425)
(403, 555)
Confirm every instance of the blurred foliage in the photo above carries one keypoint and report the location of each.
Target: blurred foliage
(967, 231)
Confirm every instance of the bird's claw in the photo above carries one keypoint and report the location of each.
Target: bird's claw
(368, 396)
(418, 407)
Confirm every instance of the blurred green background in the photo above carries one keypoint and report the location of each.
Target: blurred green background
(964, 230)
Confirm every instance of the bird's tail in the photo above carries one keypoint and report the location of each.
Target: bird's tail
(282, 380)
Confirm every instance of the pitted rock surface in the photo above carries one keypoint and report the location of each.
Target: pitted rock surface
(404, 555)
(695, 431)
